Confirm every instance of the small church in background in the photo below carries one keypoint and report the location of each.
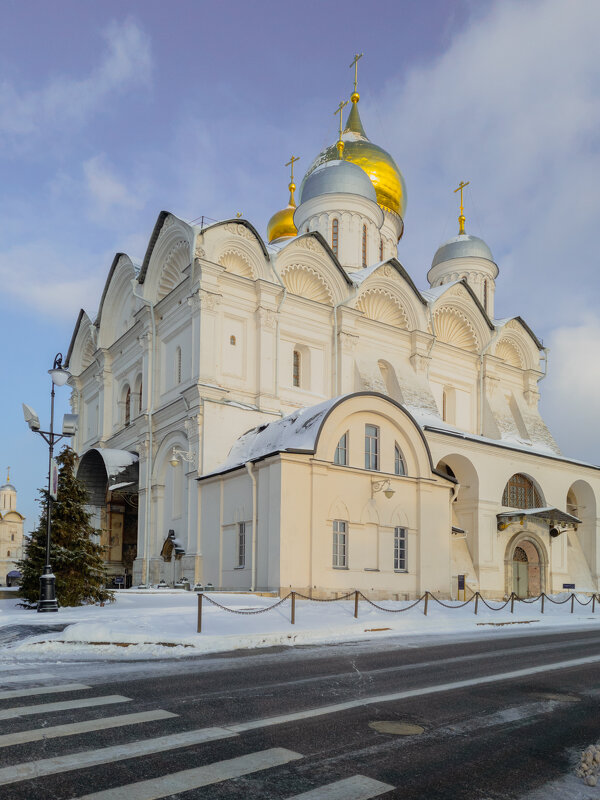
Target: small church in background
(303, 411)
(11, 534)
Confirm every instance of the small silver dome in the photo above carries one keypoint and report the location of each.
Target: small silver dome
(462, 246)
(337, 176)
(8, 487)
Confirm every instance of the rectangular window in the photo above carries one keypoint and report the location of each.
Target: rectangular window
(371, 447)
(340, 544)
(296, 369)
(400, 550)
(241, 548)
(341, 451)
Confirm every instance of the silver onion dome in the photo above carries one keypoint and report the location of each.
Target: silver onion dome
(334, 177)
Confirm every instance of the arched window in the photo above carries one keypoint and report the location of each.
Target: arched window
(399, 462)
(178, 365)
(341, 451)
(334, 236)
(371, 447)
(364, 246)
(232, 341)
(128, 406)
(296, 368)
(8, 553)
(139, 402)
(520, 492)
(485, 296)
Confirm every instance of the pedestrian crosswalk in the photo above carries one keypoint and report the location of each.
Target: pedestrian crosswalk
(72, 759)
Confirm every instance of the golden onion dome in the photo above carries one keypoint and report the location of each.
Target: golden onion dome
(374, 160)
(281, 225)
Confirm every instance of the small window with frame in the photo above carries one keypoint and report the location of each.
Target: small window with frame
(241, 545)
(400, 561)
(340, 544)
(341, 451)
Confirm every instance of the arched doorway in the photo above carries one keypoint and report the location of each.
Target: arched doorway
(527, 569)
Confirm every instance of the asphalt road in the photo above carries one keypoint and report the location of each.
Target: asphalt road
(479, 720)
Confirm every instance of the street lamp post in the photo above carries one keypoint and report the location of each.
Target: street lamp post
(60, 376)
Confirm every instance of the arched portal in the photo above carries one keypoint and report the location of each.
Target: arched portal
(526, 565)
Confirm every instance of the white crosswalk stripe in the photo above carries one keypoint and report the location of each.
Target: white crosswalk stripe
(61, 687)
(358, 787)
(26, 677)
(67, 705)
(183, 781)
(74, 728)
(106, 755)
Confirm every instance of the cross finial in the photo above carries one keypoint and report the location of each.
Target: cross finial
(291, 163)
(354, 64)
(461, 219)
(8, 474)
(340, 143)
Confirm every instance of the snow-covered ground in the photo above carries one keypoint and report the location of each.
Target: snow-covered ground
(148, 624)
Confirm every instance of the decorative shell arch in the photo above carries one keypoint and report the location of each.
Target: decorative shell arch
(452, 326)
(84, 347)
(304, 281)
(118, 305)
(509, 352)
(382, 306)
(170, 256)
(516, 346)
(237, 263)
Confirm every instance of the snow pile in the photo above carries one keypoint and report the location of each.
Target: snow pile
(162, 624)
(589, 765)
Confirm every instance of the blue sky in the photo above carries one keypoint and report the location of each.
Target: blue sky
(112, 111)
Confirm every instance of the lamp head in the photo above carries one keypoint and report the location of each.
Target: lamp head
(58, 373)
(389, 492)
(70, 422)
(174, 460)
(31, 418)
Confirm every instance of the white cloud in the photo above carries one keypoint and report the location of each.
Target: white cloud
(571, 393)
(66, 100)
(104, 188)
(55, 284)
(513, 105)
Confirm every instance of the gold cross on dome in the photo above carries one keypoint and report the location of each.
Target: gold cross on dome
(291, 163)
(354, 64)
(461, 219)
(339, 110)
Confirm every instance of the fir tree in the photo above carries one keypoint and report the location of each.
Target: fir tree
(75, 557)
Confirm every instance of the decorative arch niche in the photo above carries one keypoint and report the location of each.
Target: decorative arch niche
(304, 281)
(453, 327)
(509, 352)
(236, 263)
(382, 306)
(171, 273)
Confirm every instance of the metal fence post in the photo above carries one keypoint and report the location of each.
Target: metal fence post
(476, 601)
(543, 598)
(293, 608)
(356, 604)
(426, 600)
(572, 601)
(512, 602)
(199, 612)
(593, 603)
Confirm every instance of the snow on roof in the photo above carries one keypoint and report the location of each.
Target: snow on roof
(297, 431)
(431, 295)
(430, 422)
(362, 274)
(116, 461)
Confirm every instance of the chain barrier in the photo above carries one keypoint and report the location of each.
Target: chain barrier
(248, 611)
(448, 605)
(392, 610)
(492, 608)
(425, 597)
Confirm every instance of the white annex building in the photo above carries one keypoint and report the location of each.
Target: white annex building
(11, 534)
(295, 413)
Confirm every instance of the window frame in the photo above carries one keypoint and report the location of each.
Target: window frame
(370, 456)
(399, 461)
(241, 545)
(341, 447)
(339, 555)
(520, 485)
(335, 236)
(296, 369)
(400, 549)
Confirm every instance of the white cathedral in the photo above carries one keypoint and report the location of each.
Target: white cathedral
(294, 413)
